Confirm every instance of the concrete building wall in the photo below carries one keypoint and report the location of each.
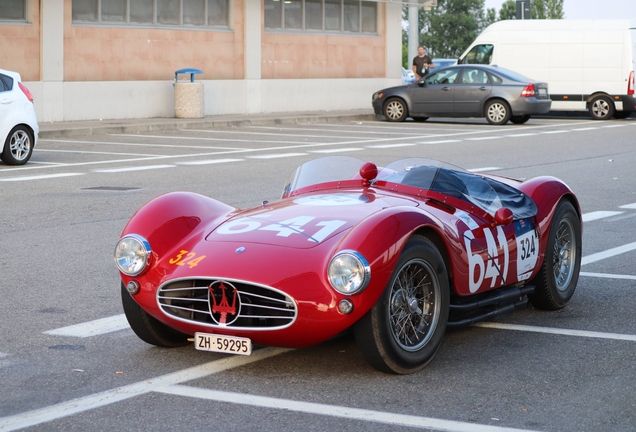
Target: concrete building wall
(20, 45)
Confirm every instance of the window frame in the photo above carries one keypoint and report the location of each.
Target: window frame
(24, 20)
(155, 21)
(323, 30)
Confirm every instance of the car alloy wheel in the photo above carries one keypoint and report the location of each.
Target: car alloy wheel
(395, 110)
(18, 146)
(601, 108)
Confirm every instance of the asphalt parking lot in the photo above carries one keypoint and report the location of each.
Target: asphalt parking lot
(68, 360)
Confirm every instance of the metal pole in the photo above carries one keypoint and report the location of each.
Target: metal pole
(413, 40)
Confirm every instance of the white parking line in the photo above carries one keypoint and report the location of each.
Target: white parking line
(342, 412)
(614, 126)
(483, 169)
(337, 150)
(607, 275)
(557, 331)
(92, 328)
(95, 153)
(523, 135)
(209, 161)
(555, 132)
(386, 146)
(76, 406)
(440, 142)
(40, 177)
(584, 129)
(608, 253)
(591, 216)
(137, 168)
(279, 155)
(629, 206)
(483, 138)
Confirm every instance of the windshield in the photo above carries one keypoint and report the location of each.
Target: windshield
(423, 174)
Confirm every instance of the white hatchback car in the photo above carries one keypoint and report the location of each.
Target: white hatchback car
(18, 123)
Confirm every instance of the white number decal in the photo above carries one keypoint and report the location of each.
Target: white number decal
(491, 269)
(284, 228)
(289, 226)
(527, 252)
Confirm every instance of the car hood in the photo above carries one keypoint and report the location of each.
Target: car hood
(304, 221)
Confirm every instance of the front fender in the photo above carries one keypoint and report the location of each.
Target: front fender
(166, 220)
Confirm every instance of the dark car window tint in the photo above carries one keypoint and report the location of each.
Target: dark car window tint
(480, 54)
(6, 83)
(474, 76)
(448, 76)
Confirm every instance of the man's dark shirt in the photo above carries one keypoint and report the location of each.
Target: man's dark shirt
(419, 63)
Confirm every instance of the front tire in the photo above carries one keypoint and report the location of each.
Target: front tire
(497, 112)
(601, 108)
(559, 274)
(148, 328)
(18, 146)
(404, 329)
(519, 119)
(395, 110)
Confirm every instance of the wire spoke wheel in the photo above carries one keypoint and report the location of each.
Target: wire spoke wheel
(414, 308)
(564, 254)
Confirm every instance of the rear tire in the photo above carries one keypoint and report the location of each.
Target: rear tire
(601, 108)
(404, 329)
(519, 119)
(497, 112)
(395, 110)
(148, 328)
(18, 146)
(559, 274)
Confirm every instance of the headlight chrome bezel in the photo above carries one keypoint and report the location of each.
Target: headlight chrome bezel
(358, 267)
(141, 253)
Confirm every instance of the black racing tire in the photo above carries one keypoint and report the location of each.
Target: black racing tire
(621, 114)
(559, 274)
(417, 294)
(148, 328)
(519, 119)
(18, 147)
(601, 108)
(497, 112)
(420, 119)
(395, 110)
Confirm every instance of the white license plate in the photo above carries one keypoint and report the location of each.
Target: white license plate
(224, 344)
(543, 91)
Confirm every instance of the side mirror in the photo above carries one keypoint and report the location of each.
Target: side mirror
(503, 216)
(421, 83)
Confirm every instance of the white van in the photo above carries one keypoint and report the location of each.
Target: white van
(588, 64)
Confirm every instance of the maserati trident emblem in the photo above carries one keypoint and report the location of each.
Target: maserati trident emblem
(224, 312)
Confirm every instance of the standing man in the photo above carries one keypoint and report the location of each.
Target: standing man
(421, 64)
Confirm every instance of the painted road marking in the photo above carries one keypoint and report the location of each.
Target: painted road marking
(557, 331)
(523, 135)
(40, 177)
(331, 410)
(629, 206)
(76, 406)
(484, 169)
(584, 129)
(209, 161)
(440, 142)
(587, 217)
(336, 150)
(608, 253)
(614, 126)
(92, 328)
(389, 146)
(137, 168)
(278, 155)
(607, 276)
(95, 153)
(556, 132)
(483, 138)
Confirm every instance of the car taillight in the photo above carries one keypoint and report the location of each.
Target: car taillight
(528, 91)
(630, 84)
(26, 92)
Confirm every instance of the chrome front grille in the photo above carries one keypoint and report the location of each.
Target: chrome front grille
(226, 303)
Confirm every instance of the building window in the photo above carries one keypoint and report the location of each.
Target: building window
(184, 13)
(13, 10)
(350, 16)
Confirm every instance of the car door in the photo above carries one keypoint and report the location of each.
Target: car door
(7, 106)
(433, 94)
(471, 92)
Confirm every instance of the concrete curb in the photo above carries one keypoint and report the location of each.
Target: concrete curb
(148, 125)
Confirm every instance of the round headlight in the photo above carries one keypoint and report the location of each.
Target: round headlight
(349, 272)
(131, 254)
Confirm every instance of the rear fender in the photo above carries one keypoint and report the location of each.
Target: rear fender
(168, 219)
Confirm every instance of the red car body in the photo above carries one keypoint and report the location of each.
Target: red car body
(283, 249)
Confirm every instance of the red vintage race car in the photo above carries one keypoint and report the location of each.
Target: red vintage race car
(398, 253)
